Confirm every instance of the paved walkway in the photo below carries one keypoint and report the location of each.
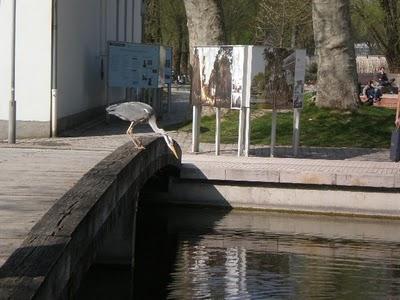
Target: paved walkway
(34, 173)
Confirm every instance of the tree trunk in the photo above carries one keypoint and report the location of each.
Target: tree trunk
(204, 20)
(337, 72)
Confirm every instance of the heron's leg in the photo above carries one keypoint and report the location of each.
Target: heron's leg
(138, 144)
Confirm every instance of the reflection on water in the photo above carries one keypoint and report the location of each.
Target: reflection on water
(192, 253)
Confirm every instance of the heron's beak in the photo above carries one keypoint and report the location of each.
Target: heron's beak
(174, 151)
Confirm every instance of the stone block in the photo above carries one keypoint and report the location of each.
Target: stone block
(307, 177)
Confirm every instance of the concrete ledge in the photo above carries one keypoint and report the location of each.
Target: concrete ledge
(63, 244)
(292, 171)
(284, 197)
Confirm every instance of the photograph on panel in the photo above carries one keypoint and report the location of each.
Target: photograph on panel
(279, 77)
(214, 67)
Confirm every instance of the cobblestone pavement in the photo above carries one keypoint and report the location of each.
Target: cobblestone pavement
(104, 136)
(99, 135)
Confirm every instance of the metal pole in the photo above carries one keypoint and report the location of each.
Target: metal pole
(195, 128)
(273, 132)
(247, 133)
(126, 21)
(117, 23)
(54, 65)
(133, 21)
(126, 38)
(12, 116)
(241, 131)
(296, 131)
(217, 131)
(106, 88)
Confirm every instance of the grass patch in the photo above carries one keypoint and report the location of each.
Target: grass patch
(368, 127)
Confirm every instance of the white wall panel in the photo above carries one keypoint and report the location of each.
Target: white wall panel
(33, 59)
(79, 83)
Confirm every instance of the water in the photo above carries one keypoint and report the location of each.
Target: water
(198, 253)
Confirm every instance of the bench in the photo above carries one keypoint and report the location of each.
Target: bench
(387, 101)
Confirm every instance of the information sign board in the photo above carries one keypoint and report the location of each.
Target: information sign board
(133, 65)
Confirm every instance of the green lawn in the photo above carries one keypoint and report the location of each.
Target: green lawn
(369, 127)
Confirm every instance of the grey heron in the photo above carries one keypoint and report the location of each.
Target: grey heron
(137, 113)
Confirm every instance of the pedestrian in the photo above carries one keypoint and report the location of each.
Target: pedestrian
(372, 93)
(384, 82)
(397, 121)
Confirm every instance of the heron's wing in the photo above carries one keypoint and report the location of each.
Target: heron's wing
(131, 111)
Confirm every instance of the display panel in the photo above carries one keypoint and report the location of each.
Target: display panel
(217, 78)
(281, 83)
(133, 65)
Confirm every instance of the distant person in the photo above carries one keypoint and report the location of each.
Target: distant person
(397, 121)
(383, 80)
(372, 93)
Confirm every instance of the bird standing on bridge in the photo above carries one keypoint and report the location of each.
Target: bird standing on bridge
(137, 113)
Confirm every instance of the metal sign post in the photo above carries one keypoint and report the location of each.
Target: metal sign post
(13, 104)
(296, 130)
(196, 128)
(298, 96)
(248, 75)
(247, 133)
(217, 130)
(273, 131)
(242, 124)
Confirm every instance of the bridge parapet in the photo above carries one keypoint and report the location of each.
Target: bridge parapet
(63, 244)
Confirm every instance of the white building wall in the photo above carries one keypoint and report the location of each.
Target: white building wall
(84, 27)
(78, 77)
(33, 59)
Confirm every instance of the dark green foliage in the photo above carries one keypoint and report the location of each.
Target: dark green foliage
(377, 23)
(239, 20)
(311, 73)
(285, 24)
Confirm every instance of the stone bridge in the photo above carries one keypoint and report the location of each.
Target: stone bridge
(75, 232)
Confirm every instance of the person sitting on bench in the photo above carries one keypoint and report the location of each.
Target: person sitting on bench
(397, 120)
(372, 93)
(383, 80)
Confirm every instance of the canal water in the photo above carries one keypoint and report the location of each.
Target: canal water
(203, 253)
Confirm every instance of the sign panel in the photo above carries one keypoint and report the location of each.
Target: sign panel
(281, 84)
(217, 78)
(133, 65)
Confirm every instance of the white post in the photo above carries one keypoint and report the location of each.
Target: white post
(196, 128)
(247, 132)
(217, 131)
(242, 117)
(273, 132)
(54, 71)
(12, 115)
(106, 88)
(296, 131)
(117, 22)
(298, 96)
(246, 102)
